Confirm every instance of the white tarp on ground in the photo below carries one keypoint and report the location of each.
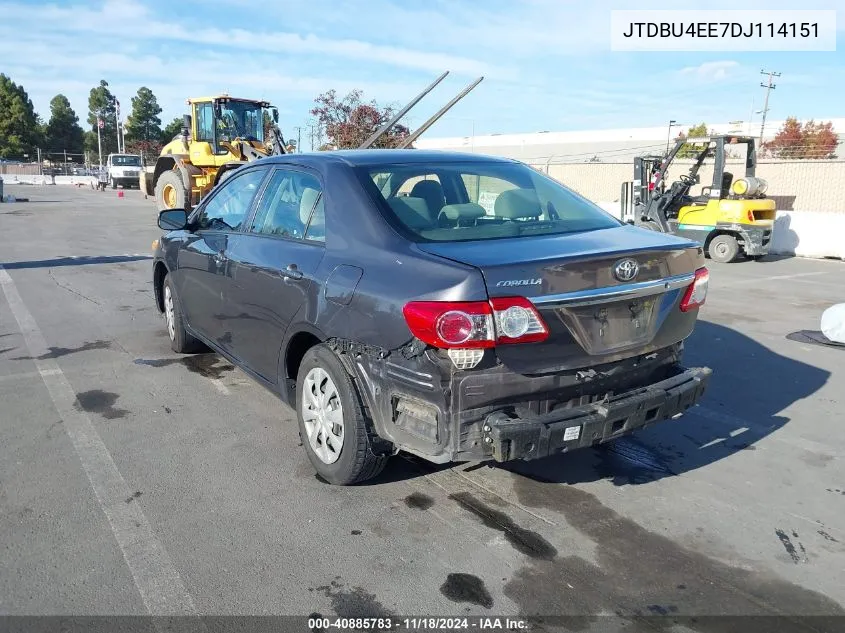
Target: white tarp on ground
(833, 323)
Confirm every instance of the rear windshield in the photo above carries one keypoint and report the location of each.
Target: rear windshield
(454, 202)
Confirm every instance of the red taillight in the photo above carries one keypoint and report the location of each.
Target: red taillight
(751, 216)
(696, 293)
(451, 324)
(475, 324)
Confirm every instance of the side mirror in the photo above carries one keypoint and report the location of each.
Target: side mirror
(173, 219)
(275, 115)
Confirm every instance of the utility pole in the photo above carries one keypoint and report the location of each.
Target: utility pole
(298, 129)
(117, 121)
(769, 87)
(99, 139)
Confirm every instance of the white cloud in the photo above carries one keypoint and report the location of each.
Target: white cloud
(711, 71)
(131, 18)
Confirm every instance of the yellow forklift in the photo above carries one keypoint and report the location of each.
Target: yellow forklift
(729, 218)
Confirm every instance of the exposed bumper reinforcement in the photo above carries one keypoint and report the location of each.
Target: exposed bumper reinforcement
(567, 429)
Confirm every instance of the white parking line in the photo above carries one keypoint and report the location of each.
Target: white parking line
(761, 278)
(741, 425)
(159, 584)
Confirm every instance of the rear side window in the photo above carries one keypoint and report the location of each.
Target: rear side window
(468, 201)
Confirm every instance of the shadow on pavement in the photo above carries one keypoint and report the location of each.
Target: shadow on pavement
(74, 261)
(750, 387)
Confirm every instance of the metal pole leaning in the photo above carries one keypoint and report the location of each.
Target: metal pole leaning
(384, 128)
(413, 137)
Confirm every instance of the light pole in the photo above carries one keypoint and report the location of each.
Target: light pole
(769, 87)
(669, 134)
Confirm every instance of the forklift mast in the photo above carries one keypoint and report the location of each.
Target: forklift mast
(646, 197)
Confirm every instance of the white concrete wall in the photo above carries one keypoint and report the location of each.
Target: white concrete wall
(87, 181)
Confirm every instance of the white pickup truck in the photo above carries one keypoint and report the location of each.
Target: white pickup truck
(124, 170)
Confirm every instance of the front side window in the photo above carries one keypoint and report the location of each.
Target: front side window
(291, 206)
(463, 201)
(229, 207)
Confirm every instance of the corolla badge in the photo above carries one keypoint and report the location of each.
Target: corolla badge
(626, 270)
(520, 282)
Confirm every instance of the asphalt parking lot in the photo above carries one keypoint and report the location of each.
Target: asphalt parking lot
(136, 481)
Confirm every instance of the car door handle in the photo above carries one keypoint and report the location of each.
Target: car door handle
(291, 272)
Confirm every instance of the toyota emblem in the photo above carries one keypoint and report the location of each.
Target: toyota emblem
(626, 270)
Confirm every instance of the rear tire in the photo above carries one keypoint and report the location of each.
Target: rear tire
(333, 428)
(170, 191)
(650, 225)
(723, 249)
(180, 341)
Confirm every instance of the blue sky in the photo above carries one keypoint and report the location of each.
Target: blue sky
(547, 63)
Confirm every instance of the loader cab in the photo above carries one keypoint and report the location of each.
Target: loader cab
(218, 121)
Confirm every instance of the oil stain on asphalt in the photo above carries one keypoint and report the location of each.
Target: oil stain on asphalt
(100, 402)
(353, 602)
(208, 365)
(419, 501)
(466, 588)
(58, 352)
(638, 573)
(525, 541)
(790, 547)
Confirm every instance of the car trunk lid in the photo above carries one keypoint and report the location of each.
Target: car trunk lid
(594, 315)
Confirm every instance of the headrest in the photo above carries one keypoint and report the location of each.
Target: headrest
(306, 203)
(468, 211)
(518, 203)
(428, 188)
(413, 212)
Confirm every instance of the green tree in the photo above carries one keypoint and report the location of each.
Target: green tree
(20, 131)
(63, 132)
(102, 105)
(174, 128)
(688, 150)
(144, 123)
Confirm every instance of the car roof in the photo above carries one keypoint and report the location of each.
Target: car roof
(375, 157)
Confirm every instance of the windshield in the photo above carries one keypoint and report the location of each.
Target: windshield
(241, 119)
(453, 202)
(126, 161)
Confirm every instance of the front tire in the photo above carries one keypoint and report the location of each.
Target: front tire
(170, 191)
(332, 425)
(180, 341)
(723, 249)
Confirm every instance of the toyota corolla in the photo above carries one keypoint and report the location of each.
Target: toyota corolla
(457, 307)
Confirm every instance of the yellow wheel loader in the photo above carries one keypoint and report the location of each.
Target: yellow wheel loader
(731, 217)
(220, 134)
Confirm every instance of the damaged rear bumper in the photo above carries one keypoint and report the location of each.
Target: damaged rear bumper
(563, 430)
(423, 406)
